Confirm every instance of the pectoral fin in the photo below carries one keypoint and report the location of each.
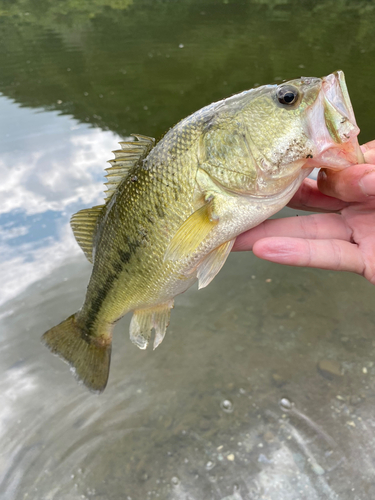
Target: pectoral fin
(212, 264)
(144, 320)
(192, 232)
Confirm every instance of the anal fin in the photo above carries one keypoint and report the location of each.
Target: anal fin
(144, 320)
(213, 262)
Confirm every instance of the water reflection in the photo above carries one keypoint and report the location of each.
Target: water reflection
(51, 166)
(162, 417)
(139, 66)
(200, 417)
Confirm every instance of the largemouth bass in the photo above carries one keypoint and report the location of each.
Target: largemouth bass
(174, 209)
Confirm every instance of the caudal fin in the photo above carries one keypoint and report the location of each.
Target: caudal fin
(89, 360)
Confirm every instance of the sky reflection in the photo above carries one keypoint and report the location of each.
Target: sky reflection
(257, 334)
(47, 175)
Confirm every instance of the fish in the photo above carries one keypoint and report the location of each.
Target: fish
(174, 208)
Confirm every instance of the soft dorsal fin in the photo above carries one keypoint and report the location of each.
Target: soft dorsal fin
(83, 224)
(130, 154)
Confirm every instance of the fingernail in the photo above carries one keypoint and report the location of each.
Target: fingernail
(322, 175)
(367, 183)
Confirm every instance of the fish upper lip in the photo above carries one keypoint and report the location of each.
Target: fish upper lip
(335, 82)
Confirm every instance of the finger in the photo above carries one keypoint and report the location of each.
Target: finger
(369, 156)
(336, 255)
(368, 151)
(316, 226)
(308, 197)
(353, 184)
(368, 146)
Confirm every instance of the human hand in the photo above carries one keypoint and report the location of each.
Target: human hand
(341, 241)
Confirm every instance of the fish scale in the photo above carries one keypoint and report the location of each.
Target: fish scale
(153, 193)
(173, 210)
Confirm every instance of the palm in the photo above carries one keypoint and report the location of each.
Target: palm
(342, 239)
(360, 221)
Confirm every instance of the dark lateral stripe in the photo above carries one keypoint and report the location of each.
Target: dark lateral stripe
(103, 291)
(100, 297)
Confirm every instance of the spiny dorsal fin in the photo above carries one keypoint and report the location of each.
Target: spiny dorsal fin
(83, 224)
(130, 154)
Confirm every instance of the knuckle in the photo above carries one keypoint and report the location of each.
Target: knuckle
(337, 255)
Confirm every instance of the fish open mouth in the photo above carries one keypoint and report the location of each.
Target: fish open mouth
(332, 126)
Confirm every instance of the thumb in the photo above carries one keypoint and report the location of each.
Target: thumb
(353, 184)
(368, 151)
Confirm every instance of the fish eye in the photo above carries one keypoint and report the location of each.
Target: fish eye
(287, 95)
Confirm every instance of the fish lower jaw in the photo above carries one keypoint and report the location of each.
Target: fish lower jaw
(281, 187)
(336, 158)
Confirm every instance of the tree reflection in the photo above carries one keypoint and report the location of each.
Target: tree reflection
(140, 66)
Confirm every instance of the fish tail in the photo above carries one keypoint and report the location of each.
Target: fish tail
(88, 357)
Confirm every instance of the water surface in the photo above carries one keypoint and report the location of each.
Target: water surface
(264, 385)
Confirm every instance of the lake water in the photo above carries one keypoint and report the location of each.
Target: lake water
(264, 387)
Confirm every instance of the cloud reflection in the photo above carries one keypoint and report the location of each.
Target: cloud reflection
(26, 265)
(53, 170)
(58, 168)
